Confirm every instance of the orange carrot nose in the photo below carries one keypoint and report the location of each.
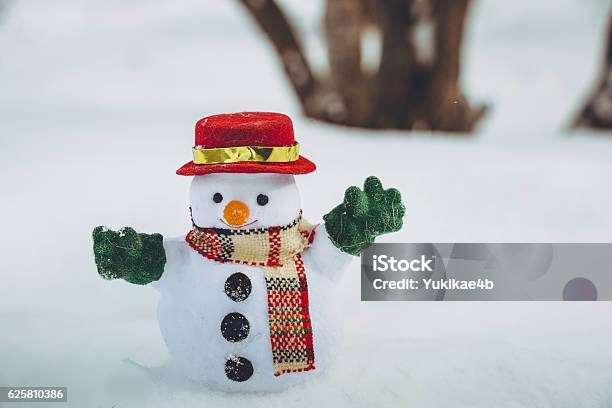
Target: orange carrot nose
(236, 213)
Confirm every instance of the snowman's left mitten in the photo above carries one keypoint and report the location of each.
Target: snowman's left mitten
(363, 215)
(126, 254)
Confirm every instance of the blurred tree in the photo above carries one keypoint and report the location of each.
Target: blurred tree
(415, 84)
(597, 112)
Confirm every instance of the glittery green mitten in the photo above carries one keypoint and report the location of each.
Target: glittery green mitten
(364, 215)
(126, 254)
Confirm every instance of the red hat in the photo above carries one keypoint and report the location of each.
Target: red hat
(246, 142)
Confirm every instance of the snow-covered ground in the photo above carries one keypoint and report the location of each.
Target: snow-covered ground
(97, 106)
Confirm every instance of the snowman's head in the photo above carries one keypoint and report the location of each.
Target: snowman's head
(244, 201)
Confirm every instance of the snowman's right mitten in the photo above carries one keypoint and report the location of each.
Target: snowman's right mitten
(363, 215)
(126, 254)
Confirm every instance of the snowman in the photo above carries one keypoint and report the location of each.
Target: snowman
(246, 296)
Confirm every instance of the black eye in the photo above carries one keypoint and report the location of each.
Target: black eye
(262, 199)
(217, 198)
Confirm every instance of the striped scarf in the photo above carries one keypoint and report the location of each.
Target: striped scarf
(278, 250)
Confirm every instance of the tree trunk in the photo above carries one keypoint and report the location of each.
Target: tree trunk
(393, 87)
(416, 85)
(442, 104)
(344, 23)
(281, 34)
(597, 112)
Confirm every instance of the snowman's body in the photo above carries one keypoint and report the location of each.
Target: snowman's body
(197, 293)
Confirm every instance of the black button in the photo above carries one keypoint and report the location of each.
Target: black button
(262, 199)
(238, 287)
(235, 327)
(238, 368)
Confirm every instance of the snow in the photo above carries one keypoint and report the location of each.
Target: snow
(97, 110)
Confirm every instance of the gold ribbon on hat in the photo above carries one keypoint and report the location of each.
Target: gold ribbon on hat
(262, 154)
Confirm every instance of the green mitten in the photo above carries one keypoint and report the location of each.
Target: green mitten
(126, 254)
(364, 215)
